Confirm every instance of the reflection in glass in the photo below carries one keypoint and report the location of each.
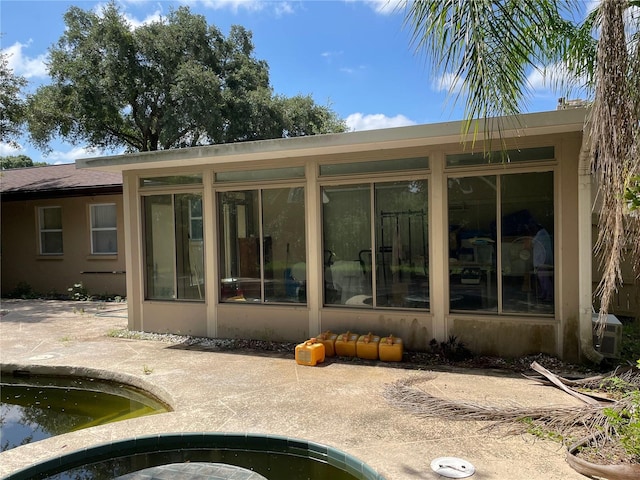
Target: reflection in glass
(398, 271)
(174, 252)
(284, 247)
(189, 246)
(401, 244)
(524, 241)
(472, 243)
(159, 243)
(104, 235)
(263, 247)
(527, 242)
(346, 223)
(50, 219)
(240, 246)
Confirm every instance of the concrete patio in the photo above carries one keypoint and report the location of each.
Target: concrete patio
(338, 404)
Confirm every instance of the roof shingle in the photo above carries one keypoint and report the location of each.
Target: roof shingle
(54, 178)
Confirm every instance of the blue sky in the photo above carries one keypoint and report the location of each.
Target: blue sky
(355, 56)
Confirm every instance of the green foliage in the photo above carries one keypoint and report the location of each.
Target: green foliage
(626, 423)
(616, 386)
(490, 48)
(18, 161)
(453, 349)
(23, 290)
(630, 346)
(632, 193)
(173, 83)
(12, 105)
(79, 292)
(541, 431)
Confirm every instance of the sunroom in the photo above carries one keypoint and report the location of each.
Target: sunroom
(415, 231)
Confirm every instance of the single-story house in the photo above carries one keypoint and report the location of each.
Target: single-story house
(414, 231)
(62, 227)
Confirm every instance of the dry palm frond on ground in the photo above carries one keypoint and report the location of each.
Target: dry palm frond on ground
(577, 425)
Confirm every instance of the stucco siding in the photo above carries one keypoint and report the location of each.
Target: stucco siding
(23, 263)
(505, 337)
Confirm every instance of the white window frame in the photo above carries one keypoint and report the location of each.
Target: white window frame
(42, 230)
(102, 229)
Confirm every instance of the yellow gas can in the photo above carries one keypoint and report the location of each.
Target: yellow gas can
(390, 349)
(367, 346)
(346, 344)
(310, 352)
(328, 339)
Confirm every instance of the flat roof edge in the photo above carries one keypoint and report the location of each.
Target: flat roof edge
(556, 121)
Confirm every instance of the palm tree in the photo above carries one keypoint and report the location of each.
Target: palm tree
(489, 47)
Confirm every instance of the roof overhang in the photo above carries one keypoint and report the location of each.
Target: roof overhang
(527, 125)
(66, 192)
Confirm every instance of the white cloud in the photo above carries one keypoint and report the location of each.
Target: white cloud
(555, 79)
(351, 70)
(22, 65)
(132, 21)
(235, 5)
(448, 82)
(151, 18)
(358, 121)
(58, 157)
(330, 55)
(283, 8)
(7, 150)
(384, 7)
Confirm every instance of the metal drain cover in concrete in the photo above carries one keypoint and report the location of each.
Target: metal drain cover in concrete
(452, 467)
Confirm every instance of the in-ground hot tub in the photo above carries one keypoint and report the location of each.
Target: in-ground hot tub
(274, 457)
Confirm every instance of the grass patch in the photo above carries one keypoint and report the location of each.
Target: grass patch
(630, 347)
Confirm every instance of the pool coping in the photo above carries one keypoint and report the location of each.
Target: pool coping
(157, 393)
(276, 444)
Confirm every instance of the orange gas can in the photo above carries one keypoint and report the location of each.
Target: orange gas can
(328, 339)
(367, 346)
(310, 352)
(346, 344)
(390, 349)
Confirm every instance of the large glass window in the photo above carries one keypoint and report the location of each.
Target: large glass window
(104, 233)
(262, 245)
(50, 225)
(527, 242)
(174, 251)
(521, 280)
(388, 256)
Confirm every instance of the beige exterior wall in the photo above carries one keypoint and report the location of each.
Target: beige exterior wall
(510, 335)
(22, 261)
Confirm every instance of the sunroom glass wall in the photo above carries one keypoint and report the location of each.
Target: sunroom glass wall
(472, 238)
(524, 242)
(527, 242)
(400, 261)
(346, 228)
(263, 260)
(174, 253)
(401, 244)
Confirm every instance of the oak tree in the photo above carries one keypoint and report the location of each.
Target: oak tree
(172, 83)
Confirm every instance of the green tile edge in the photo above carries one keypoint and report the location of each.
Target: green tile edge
(190, 440)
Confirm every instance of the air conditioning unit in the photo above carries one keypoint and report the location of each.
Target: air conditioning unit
(609, 344)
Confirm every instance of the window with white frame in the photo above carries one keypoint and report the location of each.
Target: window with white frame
(50, 229)
(104, 232)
